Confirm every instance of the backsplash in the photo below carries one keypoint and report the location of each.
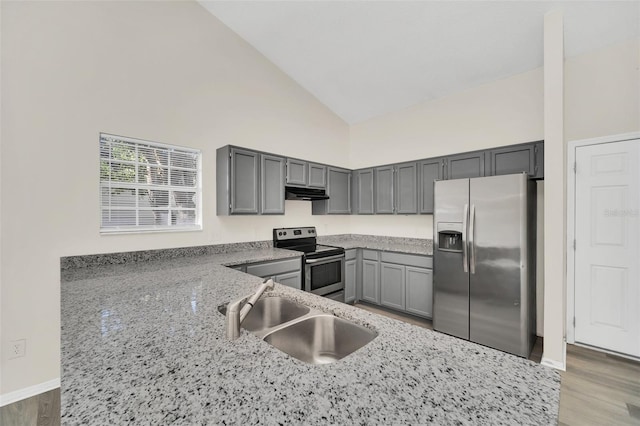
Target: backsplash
(334, 239)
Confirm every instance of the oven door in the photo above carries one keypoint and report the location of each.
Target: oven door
(325, 275)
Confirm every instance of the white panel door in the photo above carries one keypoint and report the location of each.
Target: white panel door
(607, 288)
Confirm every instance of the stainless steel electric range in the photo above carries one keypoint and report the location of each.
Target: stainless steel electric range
(323, 265)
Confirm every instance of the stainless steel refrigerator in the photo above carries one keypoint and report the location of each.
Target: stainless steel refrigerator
(484, 261)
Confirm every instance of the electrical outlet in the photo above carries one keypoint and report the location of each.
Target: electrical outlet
(17, 348)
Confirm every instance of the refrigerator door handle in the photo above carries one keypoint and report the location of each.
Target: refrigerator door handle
(472, 248)
(465, 220)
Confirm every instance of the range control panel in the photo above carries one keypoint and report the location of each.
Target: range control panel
(281, 234)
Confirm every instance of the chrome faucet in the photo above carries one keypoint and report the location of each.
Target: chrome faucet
(237, 310)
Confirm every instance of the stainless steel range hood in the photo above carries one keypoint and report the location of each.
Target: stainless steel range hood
(306, 194)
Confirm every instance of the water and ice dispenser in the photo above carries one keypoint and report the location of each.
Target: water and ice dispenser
(450, 237)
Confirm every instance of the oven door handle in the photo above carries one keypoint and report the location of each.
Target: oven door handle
(324, 259)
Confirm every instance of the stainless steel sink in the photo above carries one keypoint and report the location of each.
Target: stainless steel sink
(320, 339)
(270, 312)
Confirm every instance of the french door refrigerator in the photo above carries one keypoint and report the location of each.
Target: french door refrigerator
(484, 261)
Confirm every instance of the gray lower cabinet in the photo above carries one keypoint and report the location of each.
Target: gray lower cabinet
(527, 158)
(384, 186)
(291, 279)
(419, 291)
(406, 201)
(272, 184)
(363, 192)
(468, 165)
(296, 172)
(350, 278)
(237, 181)
(287, 272)
(429, 171)
(370, 280)
(317, 176)
(339, 192)
(392, 285)
(400, 281)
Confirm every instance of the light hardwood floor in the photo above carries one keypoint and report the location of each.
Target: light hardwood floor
(597, 389)
(39, 410)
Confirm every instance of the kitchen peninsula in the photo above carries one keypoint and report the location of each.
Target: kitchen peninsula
(143, 342)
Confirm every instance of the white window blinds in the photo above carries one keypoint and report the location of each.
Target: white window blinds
(147, 186)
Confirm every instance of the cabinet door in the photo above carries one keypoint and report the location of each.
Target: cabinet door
(407, 188)
(272, 184)
(430, 170)
(468, 165)
(291, 279)
(317, 176)
(244, 182)
(339, 191)
(370, 281)
(364, 182)
(350, 281)
(392, 285)
(419, 291)
(296, 172)
(512, 159)
(384, 190)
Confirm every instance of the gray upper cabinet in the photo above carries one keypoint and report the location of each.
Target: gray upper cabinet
(384, 185)
(296, 172)
(317, 176)
(429, 171)
(363, 194)
(339, 192)
(237, 181)
(272, 184)
(406, 201)
(510, 160)
(527, 158)
(539, 151)
(250, 182)
(468, 165)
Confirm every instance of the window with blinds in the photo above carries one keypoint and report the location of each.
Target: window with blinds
(147, 186)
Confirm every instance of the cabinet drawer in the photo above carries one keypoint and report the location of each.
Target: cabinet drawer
(350, 254)
(274, 268)
(370, 254)
(407, 259)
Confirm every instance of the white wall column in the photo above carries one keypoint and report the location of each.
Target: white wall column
(554, 350)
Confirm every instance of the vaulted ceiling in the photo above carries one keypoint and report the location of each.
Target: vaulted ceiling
(363, 59)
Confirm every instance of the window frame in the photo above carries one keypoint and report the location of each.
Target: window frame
(136, 186)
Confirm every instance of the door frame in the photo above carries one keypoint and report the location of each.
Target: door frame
(571, 205)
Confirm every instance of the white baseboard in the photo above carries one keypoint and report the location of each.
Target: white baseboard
(558, 365)
(553, 364)
(20, 394)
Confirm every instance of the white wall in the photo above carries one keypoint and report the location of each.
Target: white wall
(162, 71)
(602, 91)
(500, 113)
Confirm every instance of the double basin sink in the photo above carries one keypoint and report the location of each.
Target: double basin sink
(304, 333)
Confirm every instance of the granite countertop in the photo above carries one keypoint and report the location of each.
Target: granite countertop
(144, 343)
